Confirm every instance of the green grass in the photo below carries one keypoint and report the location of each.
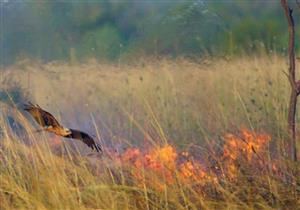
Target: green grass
(192, 106)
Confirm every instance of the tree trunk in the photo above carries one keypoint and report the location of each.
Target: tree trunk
(295, 85)
(292, 125)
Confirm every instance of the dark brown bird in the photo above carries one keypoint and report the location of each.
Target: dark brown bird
(49, 123)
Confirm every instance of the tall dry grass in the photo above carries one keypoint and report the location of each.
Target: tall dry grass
(149, 105)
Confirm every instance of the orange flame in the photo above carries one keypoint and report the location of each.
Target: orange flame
(247, 145)
(163, 166)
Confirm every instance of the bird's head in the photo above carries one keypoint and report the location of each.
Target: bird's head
(67, 131)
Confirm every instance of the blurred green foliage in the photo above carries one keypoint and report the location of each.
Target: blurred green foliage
(68, 30)
(104, 42)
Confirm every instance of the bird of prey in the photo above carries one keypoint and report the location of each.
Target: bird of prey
(50, 124)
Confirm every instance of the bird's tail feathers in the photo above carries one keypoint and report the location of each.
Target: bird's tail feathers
(30, 105)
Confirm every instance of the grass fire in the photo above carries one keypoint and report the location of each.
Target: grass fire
(161, 149)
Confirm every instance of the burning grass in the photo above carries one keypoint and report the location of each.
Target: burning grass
(238, 175)
(161, 166)
(177, 122)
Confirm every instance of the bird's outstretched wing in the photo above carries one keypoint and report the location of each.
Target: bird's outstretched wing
(41, 116)
(85, 138)
(46, 120)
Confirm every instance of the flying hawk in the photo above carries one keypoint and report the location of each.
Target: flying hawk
(49, 123)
